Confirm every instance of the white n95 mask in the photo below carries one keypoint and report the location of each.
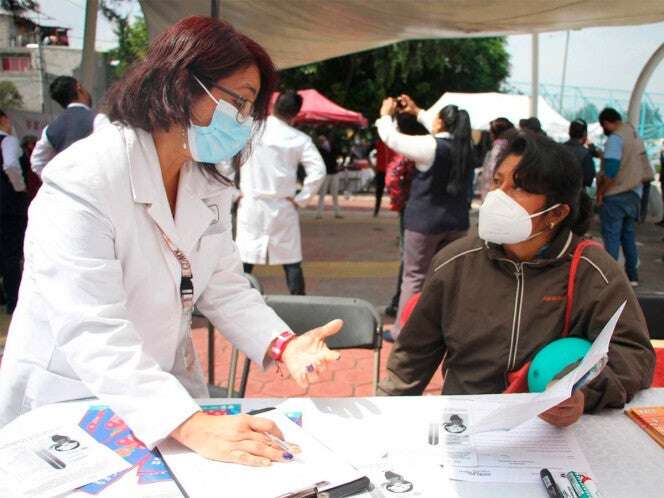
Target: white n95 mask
(505, 221)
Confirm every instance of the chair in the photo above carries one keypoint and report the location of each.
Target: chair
(216, 391)
(363, 327)
(652, 304)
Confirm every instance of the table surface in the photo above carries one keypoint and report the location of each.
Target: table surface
(625, 461)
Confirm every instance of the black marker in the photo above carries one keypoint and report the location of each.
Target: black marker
(550, 484)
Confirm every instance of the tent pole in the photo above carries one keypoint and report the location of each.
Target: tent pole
(89, 36)
(562, 83)
(534, 75)
(214, 8)
(640, 85)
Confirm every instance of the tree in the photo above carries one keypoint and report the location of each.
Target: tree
(424, 69)
(133, 43)
(133, 36)
(19, 6)
(10, 97)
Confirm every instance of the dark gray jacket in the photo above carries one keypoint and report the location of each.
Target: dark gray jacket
(483, 315)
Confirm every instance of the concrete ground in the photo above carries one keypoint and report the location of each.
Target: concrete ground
(357, 256)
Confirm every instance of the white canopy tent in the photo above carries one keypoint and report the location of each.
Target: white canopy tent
(297, 32)
(485, 107)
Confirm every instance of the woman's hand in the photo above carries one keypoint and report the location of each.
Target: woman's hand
(567, 412)
(306, 355)
(389, 107)
(233, 438)
(409, 105)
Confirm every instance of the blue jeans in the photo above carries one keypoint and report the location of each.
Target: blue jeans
(619, 214)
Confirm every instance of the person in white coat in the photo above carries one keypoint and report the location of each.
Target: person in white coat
(130, 229)
(268, 224)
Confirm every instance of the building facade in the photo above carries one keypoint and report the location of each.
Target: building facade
(32, 55)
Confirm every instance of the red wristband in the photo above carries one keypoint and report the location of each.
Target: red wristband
(280, 343)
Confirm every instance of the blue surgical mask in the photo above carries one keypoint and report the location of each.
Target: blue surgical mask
(223, 138)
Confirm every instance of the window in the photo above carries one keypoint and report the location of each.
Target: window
(16, 63)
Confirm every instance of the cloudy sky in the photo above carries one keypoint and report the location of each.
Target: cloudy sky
(598, 57)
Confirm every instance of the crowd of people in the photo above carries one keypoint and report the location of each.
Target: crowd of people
(132, 228)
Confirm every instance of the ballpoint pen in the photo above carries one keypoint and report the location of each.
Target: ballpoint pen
(282, 445)
(308, 492)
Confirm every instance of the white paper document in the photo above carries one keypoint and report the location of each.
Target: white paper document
(316, 466)
(421, 452)
(517, 455)
(52, 461)
(511, 415)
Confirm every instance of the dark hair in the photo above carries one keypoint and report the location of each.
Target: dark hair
(3, 114)
(483, 146)
(288, 104)
(64, 90)
(549, 168)
(578, 128)
(28, 139)
(409, 125)
(609, 114)
(157, 92)
(457, 123)
(499, 126)
(531, 124)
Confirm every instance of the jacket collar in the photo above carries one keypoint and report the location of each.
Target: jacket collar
(556, 252)
(192, 216)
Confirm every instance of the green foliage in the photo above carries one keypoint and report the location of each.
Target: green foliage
(133, 41)
(19, 6)
(424, 69)
(10, 97)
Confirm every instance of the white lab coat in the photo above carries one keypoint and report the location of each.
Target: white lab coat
(268, 225)
(99, 310)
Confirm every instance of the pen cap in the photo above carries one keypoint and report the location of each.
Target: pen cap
(553, 359)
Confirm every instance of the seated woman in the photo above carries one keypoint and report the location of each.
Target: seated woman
(491, 302)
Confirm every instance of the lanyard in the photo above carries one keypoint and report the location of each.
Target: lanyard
(186, 280)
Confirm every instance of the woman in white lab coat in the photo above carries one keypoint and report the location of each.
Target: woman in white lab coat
(129, 230)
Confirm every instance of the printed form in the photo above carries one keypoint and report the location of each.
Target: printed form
(52, 459)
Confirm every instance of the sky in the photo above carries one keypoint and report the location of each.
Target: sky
(598, 57)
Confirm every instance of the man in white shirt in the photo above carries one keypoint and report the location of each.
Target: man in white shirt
(13, 212)
(268, 226)
(77, 122)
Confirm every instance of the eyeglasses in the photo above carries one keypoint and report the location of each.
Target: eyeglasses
(244, 106)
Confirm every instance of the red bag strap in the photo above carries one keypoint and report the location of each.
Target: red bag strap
(576, 259)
